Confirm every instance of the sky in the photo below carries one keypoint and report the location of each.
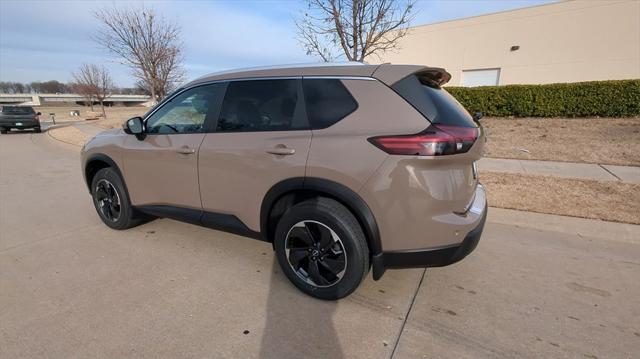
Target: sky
(48, 40)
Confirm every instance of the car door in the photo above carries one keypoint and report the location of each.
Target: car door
(260, 138)
(161, 166)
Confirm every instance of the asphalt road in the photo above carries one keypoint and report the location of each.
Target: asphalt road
(72, 288)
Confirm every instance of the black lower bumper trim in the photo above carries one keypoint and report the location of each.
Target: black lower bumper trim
(438, 257)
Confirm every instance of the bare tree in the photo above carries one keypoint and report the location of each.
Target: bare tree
(356, 29)
(145, 42)
(93, 82)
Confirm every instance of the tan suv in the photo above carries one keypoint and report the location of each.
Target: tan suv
(340, 167)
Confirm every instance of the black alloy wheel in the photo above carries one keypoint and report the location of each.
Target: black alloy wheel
(315, 253)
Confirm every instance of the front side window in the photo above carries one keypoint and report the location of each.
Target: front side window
(185, 113)
(261, 105)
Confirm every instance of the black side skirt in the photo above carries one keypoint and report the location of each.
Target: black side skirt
(219, 221)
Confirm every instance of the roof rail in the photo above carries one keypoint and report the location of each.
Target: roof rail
(286, 66)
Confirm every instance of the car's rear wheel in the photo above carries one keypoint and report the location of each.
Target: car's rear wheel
(112, 202)
(321, 248)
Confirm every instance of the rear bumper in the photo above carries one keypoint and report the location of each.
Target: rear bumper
(433, 257)
(23, 124)
(438, 257)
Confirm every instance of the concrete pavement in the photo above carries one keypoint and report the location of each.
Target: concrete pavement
(598, 172)
(71, 287)
(88, 128)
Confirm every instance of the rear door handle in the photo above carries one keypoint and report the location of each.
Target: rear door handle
(186, 150)
(281, 150)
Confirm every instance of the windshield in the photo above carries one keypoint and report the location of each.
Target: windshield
(16, 110)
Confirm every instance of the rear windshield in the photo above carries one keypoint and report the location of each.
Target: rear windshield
(15, 110)
(433, 102)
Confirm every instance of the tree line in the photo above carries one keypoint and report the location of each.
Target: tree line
(54, 86)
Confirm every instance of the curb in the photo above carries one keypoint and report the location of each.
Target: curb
(581, 227)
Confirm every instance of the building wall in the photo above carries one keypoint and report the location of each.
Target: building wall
(562, 42)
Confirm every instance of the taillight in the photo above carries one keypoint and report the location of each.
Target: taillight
(436, 140)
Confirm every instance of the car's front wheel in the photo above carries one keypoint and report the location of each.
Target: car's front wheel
(112, 202)
(321, 248)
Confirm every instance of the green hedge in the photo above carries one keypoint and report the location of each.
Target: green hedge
(619, 98)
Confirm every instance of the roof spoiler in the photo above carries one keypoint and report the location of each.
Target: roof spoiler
(433, 76)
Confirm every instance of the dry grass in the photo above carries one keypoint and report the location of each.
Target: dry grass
(587, 140)
(70, 135)
(604, 200)
(115, 115)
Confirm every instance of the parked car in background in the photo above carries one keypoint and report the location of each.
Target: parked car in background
(19, 118)
(342, 168)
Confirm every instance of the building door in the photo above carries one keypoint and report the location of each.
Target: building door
(484, 77)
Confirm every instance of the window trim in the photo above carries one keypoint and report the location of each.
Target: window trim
(211, 129)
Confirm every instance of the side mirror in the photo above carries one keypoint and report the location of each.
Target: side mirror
(134, 126)
(477, 116)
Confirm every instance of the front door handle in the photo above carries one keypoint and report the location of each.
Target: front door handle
(186, 150)
(281, 150)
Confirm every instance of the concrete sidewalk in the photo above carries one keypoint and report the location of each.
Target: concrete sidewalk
(629, 174)
(88, 128)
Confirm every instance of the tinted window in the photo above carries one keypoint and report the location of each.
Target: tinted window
(261, 105)
(15, 110)
(185, 113)
(327, 102)
(435, 103)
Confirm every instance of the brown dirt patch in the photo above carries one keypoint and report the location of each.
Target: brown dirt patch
(70, 135)
(604, 200)
(115, 115)
(587, 140)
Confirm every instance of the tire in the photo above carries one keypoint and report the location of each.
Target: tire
(3, 130)
(37, 129)
(108, 188)
(333, 230)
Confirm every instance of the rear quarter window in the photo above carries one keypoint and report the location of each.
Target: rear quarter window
(433, 102)
(327, 101)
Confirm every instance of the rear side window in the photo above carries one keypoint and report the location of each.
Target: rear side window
(327, 102)
(15, 110)
(433, 102)
(261, 105)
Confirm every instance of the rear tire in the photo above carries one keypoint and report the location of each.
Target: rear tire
(112, 202)
(335, 261)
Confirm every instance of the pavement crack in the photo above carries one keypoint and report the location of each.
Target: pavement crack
(611, 173)
(404, 322)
